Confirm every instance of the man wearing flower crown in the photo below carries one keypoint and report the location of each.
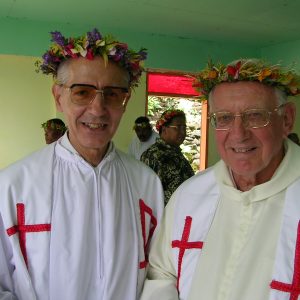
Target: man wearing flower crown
(77, 217)
(53, 129)
(232, 232)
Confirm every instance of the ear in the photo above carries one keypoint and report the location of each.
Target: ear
(127, 99)
(56, 92)
(289, 116)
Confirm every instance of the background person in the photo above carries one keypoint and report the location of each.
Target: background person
(165, 156)
(54, 129)
(145, 137)
(232, 231)
(77, 217)
(293, 136)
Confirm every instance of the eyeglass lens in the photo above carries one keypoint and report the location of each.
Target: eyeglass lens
(178, 127)
(85, 94)
(254, 118)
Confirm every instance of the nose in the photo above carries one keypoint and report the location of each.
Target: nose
(98, 103)
(239, 128)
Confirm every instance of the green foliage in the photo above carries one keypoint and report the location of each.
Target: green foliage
(153, 105)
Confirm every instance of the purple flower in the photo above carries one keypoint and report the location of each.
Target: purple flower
(57, 38)
(47, 57)
(143, 54)
(94, 36)
(117, 56)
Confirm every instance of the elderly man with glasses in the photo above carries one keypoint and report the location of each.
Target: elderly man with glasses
(77, 217)
(232, 232)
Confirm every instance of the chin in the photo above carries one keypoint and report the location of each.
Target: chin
(96, 144)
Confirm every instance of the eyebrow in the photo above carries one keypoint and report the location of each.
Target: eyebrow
(105, 87)
(83, 84)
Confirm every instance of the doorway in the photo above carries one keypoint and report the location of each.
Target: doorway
(175, 90)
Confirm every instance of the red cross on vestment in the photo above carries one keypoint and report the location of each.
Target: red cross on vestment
(292, 288)
(184, 244)
(144, 209)
(22, 229)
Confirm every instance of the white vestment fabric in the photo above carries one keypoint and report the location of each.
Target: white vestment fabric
(137, 148)
(85, 230)
(218, 243)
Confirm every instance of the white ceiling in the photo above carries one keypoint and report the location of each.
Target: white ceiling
(255, 22)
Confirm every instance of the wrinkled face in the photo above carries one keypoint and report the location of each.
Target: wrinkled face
(143, 133)
(247, 151)
(174, 133)
(92, 126)
(52, 135)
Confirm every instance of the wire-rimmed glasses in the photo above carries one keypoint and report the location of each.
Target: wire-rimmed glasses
(251, 118)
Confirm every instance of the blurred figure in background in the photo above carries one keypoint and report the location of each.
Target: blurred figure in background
(54, 129)
(293, 136)
(145, 137)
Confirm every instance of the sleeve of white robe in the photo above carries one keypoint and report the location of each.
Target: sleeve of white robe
(6, 268)
(161, 275)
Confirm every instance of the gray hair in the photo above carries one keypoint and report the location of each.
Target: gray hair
(63, 73)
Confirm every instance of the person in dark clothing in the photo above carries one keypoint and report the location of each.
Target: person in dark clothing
(165, 156)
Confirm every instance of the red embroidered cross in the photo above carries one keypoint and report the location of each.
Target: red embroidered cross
(22, 229)
(153, 223)
(294, 288)
(184, 244)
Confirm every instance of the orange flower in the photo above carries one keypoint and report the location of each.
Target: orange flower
(263, 74)
(212, 74)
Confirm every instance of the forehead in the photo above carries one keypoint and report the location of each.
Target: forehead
(242, 95)
(49, 129)
(95, 71)
(145, 127)
(178, 120)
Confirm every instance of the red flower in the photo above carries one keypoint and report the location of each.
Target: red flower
(89, 54)
(123, 45)
(234, 70)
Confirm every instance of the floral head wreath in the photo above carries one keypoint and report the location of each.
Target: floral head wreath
(167, 116)
(53, 125)
(90, 45)
(247, 70)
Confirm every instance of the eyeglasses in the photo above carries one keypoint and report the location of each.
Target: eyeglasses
(178, 127)
(251, 118)
(84, 94)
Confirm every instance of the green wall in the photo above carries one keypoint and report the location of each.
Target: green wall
(26, 99)
(28, 38)
(25, 103)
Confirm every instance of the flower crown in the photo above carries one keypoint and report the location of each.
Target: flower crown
(167, 116)
(247, 70)
(55, 126)
(90, 45)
